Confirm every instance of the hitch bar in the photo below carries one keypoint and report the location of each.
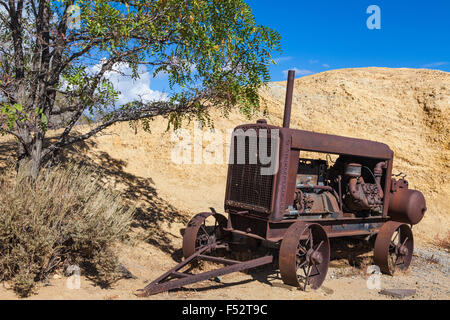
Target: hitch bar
(173, 279)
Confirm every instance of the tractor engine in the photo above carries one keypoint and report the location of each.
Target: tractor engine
(323, 191)
(313, 196)
(362, 196)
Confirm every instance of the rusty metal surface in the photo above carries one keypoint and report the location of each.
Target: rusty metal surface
(304, 255)
(247, 188)
(288, 101)
(407, 205)
(248, 225)
(327, 143)
(398, 184)
(198, 235)
(394, 247)
(167, 282)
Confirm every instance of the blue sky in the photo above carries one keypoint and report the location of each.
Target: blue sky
(322, 35)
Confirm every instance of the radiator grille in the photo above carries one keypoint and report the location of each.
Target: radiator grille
(249, 188)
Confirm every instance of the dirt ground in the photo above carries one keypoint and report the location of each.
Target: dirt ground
(428, 275)
(408, 109)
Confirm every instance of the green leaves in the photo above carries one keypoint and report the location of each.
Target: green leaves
(10, 115)
(210, 46)
(43, 122)
(212, 53)
(219, 49)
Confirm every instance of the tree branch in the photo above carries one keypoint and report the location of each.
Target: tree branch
(16, 30)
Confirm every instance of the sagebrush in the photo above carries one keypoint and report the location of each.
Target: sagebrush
(63, 217)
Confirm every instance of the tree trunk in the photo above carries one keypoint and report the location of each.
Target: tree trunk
(30, 163)
(36, 158)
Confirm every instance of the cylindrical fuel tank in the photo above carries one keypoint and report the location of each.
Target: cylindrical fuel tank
(407, 205)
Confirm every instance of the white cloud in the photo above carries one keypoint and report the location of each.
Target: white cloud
(312, 61)
(325, 65)
(435, 64)
(132, 89)
(281, 59)
(298, 72)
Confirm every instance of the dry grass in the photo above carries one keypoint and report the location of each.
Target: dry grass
(64, 217)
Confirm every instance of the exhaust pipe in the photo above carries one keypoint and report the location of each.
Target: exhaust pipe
(288, 101)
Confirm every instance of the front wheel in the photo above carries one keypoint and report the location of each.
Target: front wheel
(204, 228)
(304, 255)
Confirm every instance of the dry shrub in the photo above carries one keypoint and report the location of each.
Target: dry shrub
(64, 217)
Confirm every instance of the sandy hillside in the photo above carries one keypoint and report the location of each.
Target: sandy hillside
(408, 109)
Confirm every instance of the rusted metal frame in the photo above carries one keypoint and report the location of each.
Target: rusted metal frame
(284, 224)
(179, 274)
(281, 189)
(221, 245)
(327, 143)
(178, 266)
(331, 234)
(294, 155)
(340, 193)
(351, 233)
(340, 220)
(241, 205)
(217, 259)
(387, 187)
(275, 177)
(155, 288)
(276, 229)
(248, 234)
(228, 187)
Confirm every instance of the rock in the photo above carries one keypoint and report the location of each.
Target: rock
(328, 291)
(398, 293)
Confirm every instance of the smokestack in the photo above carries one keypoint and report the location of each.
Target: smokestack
(288, 102)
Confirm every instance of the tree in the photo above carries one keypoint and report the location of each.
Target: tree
(212, 52)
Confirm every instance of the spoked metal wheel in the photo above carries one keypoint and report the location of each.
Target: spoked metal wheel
(304, 255)
(204, 228)
(394, 247)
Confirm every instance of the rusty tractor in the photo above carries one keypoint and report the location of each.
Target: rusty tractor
(299, 205)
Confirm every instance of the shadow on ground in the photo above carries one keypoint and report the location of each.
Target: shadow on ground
(352, 254)
(152, 212)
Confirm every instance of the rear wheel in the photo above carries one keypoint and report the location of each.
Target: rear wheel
(304, 255)
(394, 247)
(204, 228)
